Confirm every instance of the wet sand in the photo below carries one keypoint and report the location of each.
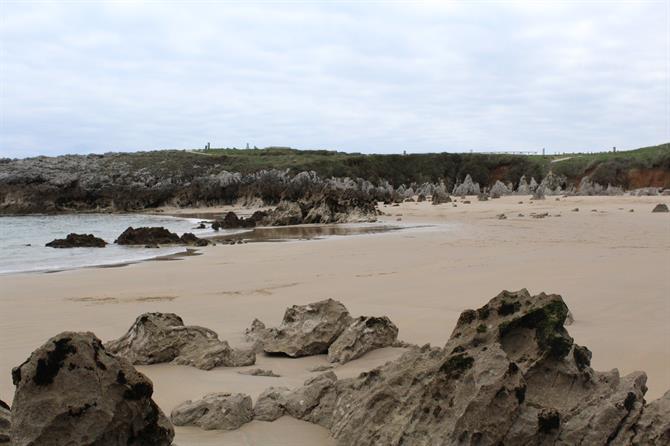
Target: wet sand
(611, 266)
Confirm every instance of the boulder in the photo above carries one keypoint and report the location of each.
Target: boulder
(232, 221)
(147, 236)
(256, 335)
(509, 374)
(420, 198)
(271, 404)
(661, 207)
(364, 334)
(77, 241)
(499, 189)
(440, 197)
(308, 329)
(72, 391)
(162, 337)
(220, 411)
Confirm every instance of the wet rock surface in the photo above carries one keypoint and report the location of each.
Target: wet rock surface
(509, 374)
(307, 329)
(162, 337)
(73, 240)
(221, 411)
(147, 236)
(73, 391)
(364, 334)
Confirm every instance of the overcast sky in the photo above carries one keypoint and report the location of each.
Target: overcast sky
(371, 77)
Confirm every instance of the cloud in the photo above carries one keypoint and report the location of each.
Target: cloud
(369, 77)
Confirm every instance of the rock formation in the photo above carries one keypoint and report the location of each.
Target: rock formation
(509, 374)
(71, 391)
(499, 189)
(539, 193)
(157, 236)
(364, 334)
(661, 207)
(271, 404)
(191, 240)
(221, 411)
(232, 221)
(77, 241)
(163, 337)
(468, 187)
(308, 329)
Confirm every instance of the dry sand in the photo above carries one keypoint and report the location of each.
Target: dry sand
(611, 266)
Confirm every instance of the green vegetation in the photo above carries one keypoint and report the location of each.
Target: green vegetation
(485, 169)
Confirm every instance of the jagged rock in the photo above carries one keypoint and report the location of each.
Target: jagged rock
(523, 188)
(287, 213)
(532, 186)
(539, 193)
(420, 198)
(147, 236)
(440, 197)
(162, 337)
(191, 240)
(315, 401)
(499, 189)
(271, 404)
(364, 334)
(308, 329)
(221, 411)
(661, 207)
(259, 372)
(468, 187)
(256, 335)
(71, 391)
(5, 422)
(509, 374)
(552, 183)
(78, 241)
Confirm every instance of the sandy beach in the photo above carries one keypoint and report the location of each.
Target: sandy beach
(611, 266)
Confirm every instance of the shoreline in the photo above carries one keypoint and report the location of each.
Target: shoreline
(610, 267)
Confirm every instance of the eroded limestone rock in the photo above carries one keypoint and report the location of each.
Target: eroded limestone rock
(364, 334)
(221, 411)
(163, 337)
(72, 391)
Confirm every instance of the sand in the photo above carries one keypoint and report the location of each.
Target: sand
(611, 266)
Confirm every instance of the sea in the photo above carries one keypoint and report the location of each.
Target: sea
(22, 240)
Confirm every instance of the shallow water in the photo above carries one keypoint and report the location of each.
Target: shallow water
(22, 240)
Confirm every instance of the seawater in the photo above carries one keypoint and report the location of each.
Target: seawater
(22, 240)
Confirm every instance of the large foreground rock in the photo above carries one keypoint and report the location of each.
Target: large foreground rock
(509, 374)
(221, 411)
(308, 329)
(71, 391)
(163, 337)
(73, 240)
(364, 334)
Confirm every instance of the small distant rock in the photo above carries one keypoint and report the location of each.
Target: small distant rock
(501, 217)
(321, 368)
(78, 241)
(575, 210)
(521, 215)
(661, 207)
(191, 240)
(259, 372)
(632, 210)
(542, 215)
(220, 411)
(466, 201)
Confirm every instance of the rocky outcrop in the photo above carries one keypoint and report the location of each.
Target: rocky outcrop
(440, 197)
(364, 334)
(77, 241)
(308, 329)
(72, 391)
(232, 221)
(499, 189)
(509, 374)
(147, 236)
(468, 187)
(157, 236)
(523, 188)
(539, 193)
(221, 411)
(661, 207)
(163, 337)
